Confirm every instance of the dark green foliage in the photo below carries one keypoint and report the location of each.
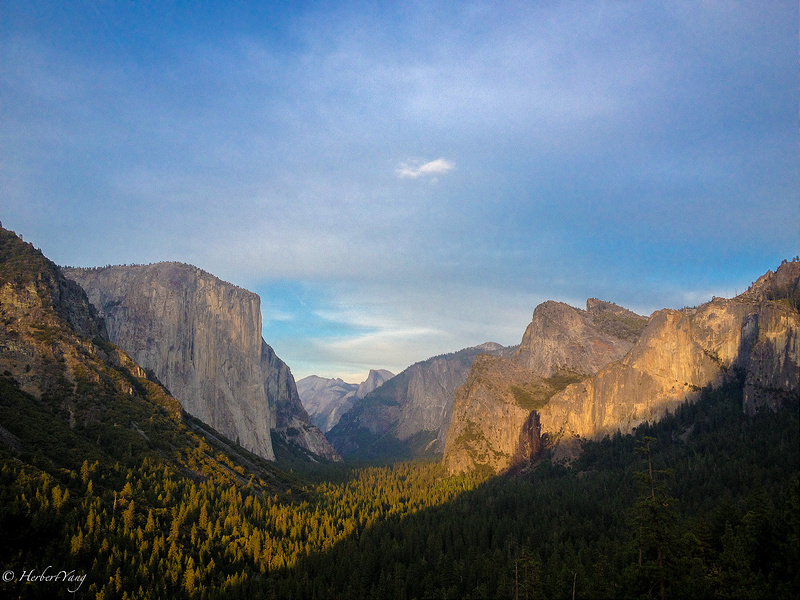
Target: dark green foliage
(531, 397)
(20, 263)
(622, 325)
(562, 378)
(724, 483)
(174, 514)
(790, 294)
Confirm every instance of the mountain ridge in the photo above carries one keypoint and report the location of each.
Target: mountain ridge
(408, 416)
(674, 356)
(201, 337)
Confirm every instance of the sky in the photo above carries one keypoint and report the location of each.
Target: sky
(397, 180)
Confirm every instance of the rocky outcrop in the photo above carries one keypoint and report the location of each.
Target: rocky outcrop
(375, 379)
(682, 351)
(561, 345)
(675, 355)
(326, 400)
(202, 338)
(563, 338)
(414, 406)
(54, 347)
(490, 411)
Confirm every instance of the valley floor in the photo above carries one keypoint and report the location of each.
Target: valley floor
(718, 517)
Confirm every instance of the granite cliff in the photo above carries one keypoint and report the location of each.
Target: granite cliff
(491, 423)
(201, 337)
(54, 348)
(409, 414)
(68, 396)
(678, 352)
(563, 338)
(326, 400)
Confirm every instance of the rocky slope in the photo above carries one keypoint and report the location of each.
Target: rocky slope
(755, 334)
(409, 414)
(674, 356)
(54, 348)
(202, 338)
(68, 396)
(326, 400)
(562, 345)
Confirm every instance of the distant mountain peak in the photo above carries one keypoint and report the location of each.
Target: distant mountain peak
(489, 347)
(327, 399)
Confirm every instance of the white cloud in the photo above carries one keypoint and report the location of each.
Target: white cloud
(413, 169)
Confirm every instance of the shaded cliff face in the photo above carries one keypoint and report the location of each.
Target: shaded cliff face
(202, 338)
(290, 419)
(410, 412)
(562, 345)
(326, 400)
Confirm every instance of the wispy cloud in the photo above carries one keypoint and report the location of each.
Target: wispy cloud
(416, 168)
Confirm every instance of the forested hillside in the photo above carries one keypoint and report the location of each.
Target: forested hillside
(721, 518)
(104, 479)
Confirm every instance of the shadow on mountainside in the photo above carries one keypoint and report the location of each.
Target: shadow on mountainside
(733, 529)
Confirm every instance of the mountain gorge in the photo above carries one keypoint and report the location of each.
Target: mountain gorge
(644, 370)
(103, 473)
(327, 399)
(408, 415)
(201, 337)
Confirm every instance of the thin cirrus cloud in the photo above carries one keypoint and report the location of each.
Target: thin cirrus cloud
(415, 169)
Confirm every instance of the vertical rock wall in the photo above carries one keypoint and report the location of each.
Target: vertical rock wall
(199, 335)
(679, 353)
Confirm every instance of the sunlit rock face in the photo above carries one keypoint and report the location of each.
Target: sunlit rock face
(669, 361)
(487, 417)
(492, 410)
(681, 352)
(202, 338)
(561, 337)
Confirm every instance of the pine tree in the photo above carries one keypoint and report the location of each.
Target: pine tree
(653, 524)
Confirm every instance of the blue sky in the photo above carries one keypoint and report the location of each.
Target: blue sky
(399, 180)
